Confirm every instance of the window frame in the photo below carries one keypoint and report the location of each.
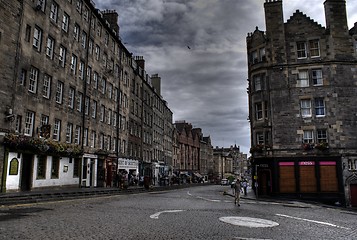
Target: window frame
(301, 50)
(305, 110)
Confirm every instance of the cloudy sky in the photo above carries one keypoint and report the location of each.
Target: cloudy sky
(198, 48)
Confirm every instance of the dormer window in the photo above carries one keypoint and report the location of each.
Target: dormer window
(301, 49)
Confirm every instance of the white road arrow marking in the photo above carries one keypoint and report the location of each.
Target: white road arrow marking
(313, 221)
(156, 215)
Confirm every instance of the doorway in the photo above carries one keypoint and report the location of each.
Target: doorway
(353, 192)
(264, 182)
(26, 172)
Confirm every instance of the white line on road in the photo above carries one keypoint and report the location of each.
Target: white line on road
(313, 221)
(156, 215)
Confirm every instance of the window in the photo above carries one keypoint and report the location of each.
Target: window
(71, 97)
(54, 11)
(115, 115)
(93, 138)
(50, 47)
(29, 123)
(33, 80)
(114, 144)
(76, 31)
(317, 77)
(319, 107)
(94, 109)
(65, 22)
(95, 80)
(301, 49)
(41, 4)
(18, 123)
(44, 120)
(46, 89)
(305, 105)
(93, 23)
(28, 33)
(303, 78)
(115, 94)
(86, 106)
(110, 91)
(85, 14)
(79, 6)
(97, 52)
(85, 137)
(314, 48)
(69, 132)
(79, 102)
(109, 139)
(62, 56)
(37, 38)
(262, 57)
(41, 167)
(104, 83)
(77, 135)
(22, 77)
(260, 138)
(55, 167)
(90, 46)
(255, 57)
(109, 118)
(57, 130)
(257, 83)
(84, 39)
(102, 112)
(89, 73)
(59, 92)
(308, 136)
(105, 60)
(81, 70)
(258, 111)
(101, 141)
(321, 136)
(74, 64)
(99, 29)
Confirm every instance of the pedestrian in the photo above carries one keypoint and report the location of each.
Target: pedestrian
(237, 189)
(245, 185)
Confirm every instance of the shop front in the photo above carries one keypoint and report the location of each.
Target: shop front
(303, 178)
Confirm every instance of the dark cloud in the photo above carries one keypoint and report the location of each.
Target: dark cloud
(205, 83)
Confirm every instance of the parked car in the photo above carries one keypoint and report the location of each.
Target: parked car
(224, 181)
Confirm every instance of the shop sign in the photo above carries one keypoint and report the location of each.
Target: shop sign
(263, 165)
(307, 163)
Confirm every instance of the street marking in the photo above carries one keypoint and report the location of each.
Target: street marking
(156, 215)
(206, 199)
(249, 222)
(313, 221)
(242, 238)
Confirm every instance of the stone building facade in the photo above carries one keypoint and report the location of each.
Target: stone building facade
(302, 105)
(73, 98)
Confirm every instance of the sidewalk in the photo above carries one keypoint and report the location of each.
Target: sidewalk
(56, 194)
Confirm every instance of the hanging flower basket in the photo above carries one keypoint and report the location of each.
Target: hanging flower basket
(23, 143)
(257, 148)
(308, 146)
(322, 146)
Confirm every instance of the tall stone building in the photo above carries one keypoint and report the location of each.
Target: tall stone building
(77, 106)
(302, 105)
